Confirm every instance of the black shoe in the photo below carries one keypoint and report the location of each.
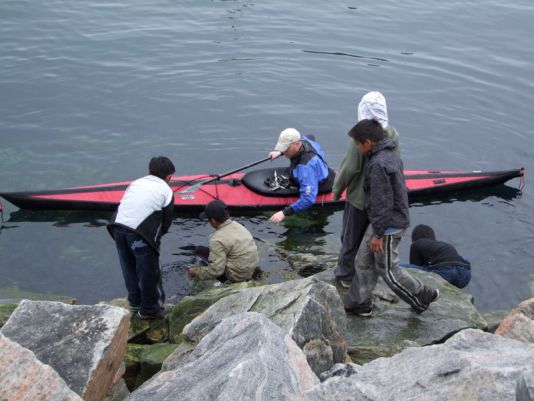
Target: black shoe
(344, 283)
(156, 316)
(428, 296)
(360, 312)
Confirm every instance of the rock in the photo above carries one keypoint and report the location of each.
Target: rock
(340, 370)
(525, 388)
(519, 324)
(144, 361)
(175, 358)
(5, 311)
(118, 392)
(306, 264)
(246, 357)
(142, 331)
(494, 318)
(191, 306)
(309, 310)
(84, 344)
(394, 326)
(24, 377)
(471, 365)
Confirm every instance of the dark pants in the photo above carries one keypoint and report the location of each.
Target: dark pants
(456, 275)
(355, 223)
(140, 269)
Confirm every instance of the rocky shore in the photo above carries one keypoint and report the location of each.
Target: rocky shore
(252, 341)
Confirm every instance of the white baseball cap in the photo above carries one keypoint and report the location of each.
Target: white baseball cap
(286, 138)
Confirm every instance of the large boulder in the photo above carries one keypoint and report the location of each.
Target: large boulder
(472, 365)
(519, 324)
(190, 307)
(24, 377)
(84, 344)
(394, 326)
(246, 357)
(309, 310)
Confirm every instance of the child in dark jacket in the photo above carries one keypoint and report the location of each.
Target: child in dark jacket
(387, 208)
(429, 254)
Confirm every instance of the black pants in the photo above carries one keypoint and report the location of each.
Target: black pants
(355, 223)
(140, 269)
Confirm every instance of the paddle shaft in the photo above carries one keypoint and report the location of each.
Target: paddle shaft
(195, 187)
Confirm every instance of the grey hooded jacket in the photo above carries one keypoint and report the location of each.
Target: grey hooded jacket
(386, 194)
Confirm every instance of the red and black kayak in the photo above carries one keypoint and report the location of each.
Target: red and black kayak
(248, 192)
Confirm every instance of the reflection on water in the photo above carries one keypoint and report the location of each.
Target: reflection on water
(504, 192)
(305, 232)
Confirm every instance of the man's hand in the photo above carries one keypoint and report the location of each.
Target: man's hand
(277, 217)
(191, 272)
(376, 245)
(274, 154)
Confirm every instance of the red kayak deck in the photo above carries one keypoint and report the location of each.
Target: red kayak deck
(237, 196)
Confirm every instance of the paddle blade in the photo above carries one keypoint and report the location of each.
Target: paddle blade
(192, 188)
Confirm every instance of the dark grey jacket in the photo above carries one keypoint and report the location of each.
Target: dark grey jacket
(386, 194)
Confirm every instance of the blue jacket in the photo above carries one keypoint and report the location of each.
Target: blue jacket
(308, 169)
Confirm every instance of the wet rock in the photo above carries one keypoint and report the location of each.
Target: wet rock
(191, 306)
(393, 326)
(309, 310)
(84, 344)
(143, 331)
(24, 377)
(246, 357)
(5, 311)
(144, 361)
(519, 324)
(306, 264)
(471, 365)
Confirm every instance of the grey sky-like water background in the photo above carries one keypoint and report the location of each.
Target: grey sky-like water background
(89, 91)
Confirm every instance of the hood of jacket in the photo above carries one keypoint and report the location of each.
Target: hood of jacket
(373, 105)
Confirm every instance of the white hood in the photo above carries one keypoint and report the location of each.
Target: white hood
(373, 105)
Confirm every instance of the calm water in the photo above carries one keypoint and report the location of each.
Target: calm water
(89, 91)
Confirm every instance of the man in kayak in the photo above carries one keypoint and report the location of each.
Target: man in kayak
(307, 169)
(386, 203)
(349, 177)
(232, 254)
(144, 215)
(431, 255)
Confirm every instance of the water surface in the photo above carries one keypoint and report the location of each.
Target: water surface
(89, 91)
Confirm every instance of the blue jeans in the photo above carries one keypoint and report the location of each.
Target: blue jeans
(140, 269)
(456, 275)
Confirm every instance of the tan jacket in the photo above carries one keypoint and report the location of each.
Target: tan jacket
(233, 252)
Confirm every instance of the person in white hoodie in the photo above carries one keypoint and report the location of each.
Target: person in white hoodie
(144, 215)
(349, 178)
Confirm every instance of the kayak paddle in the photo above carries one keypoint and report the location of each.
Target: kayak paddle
(194, 188)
